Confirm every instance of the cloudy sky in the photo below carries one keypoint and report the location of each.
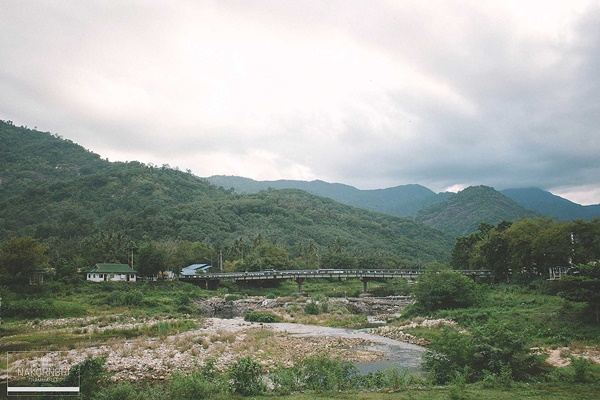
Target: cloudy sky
(373, 93)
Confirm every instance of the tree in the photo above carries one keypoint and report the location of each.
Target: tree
(586, 240)
(584, 286)
(266, 256)
(19, 256)
(495, 252)
(151, 259)
(444, 289)
(335, 260)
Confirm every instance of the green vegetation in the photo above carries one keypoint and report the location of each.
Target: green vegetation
(262, 316)
(444, 289)
(85, 210)
(323, 378)
(584, 286)
(524, 251)
(461, 213)
(63, 209)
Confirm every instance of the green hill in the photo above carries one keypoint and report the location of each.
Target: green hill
(56, 191)
(461, 213)
(401, 200)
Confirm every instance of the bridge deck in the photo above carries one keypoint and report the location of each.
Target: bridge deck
(320, 273)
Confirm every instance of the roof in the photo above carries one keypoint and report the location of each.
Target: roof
(112, 269)
(195, 269)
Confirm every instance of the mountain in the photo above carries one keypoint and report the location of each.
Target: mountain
(57, 191)
(549, 204)
(461, 213)
(410, 200)
(401, 201)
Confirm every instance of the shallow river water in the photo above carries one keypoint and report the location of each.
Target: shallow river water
(397, 354)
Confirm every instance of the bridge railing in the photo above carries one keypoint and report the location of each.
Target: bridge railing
(324, 273)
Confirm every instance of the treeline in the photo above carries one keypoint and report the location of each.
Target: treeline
(525, 249)
(65, 260)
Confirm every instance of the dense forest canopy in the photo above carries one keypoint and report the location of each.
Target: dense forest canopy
(86, 210)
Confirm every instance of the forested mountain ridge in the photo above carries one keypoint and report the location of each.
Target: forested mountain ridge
(415, 201)
(401, 200)
(462, 213)
(58, 192)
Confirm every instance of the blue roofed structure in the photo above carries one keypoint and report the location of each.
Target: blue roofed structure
(195, 269)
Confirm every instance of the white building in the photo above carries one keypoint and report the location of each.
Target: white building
(112, 272)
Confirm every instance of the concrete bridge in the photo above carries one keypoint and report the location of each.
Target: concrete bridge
(212, 280)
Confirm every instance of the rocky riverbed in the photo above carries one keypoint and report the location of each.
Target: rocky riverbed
(225, 340)
(223, 308)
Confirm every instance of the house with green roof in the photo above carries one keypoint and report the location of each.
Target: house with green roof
(112, 273)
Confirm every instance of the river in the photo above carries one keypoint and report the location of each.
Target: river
(397, 354)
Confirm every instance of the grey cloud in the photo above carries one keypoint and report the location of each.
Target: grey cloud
(500, 107)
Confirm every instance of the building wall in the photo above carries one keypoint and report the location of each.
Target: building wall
(100, 277)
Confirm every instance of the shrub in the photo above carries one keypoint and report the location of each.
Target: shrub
(122, 391)
(33, 308)
(581, 369)
(285, 380)
(262, 316)
(247, 377)
(493, 348)
(445, 289)
(389, 379)
(196, 386)
(233, 297)
(311, 308)
(133, 298)
(321, 373)
(89, 375)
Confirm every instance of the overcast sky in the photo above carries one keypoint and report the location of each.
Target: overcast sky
(374, 94)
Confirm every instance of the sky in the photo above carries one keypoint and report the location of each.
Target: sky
(374, 94)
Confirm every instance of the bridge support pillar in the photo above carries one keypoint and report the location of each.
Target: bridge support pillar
(364, 282)
(212, 284)
(299, 282)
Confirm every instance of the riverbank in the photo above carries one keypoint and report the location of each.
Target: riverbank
(224, 341)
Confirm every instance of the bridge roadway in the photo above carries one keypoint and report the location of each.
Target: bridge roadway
(211, 280)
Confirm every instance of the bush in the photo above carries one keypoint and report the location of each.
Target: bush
(133, 298)
(390, 379)
(247, 377)
(445, 289)
(581, 369)
(89, 375)
(122, 391)
(233, 297)
(492, 349)
(196, 386)
(33, 308)
(262, 316)
(286, 380)
(311, 308)
(321, 373)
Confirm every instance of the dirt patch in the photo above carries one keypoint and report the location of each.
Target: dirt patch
(560, 357)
